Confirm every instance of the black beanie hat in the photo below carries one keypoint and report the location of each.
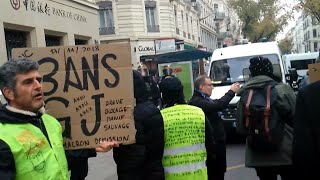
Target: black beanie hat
(261, 66)
(172, 90)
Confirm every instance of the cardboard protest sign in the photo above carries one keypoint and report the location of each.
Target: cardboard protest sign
(89, 89)
(314, 72)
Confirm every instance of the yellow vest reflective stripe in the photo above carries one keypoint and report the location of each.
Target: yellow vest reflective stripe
(33, 155)
(184, 151)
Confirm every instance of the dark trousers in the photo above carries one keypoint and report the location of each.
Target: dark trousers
(78, 167)
(217, 167)
(271, 172)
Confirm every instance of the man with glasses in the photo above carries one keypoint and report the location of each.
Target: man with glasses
(201, 98)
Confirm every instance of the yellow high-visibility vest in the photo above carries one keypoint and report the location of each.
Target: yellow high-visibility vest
(34, 157)
(184, 156)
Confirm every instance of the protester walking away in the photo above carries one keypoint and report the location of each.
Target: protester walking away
(188, 135)
(167, 72)
(306, 143)
(265, 115)
(153, 92)
(142, 160)
(31, 144)
(201, 98)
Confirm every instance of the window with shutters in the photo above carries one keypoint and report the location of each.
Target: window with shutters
(151, 16)
(106, 18)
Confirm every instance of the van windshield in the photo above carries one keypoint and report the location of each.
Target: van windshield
(228, 71)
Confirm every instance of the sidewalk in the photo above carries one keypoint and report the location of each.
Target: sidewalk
(102, 167)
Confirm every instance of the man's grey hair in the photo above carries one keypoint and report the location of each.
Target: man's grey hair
(11, 68)
(199, 81)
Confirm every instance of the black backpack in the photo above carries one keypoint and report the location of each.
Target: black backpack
(265, 129)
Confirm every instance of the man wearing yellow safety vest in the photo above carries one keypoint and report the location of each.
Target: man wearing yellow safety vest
(188, 136)
(31, 144)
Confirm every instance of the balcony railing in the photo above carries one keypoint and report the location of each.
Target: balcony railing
(224, 34)
(153, 28)
(219, 16)
(106, 30)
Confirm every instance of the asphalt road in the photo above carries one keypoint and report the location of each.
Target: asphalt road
(103, 167)
(235, 164)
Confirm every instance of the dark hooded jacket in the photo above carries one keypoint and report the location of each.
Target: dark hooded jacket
(142, 160)
(211, 107)
(153, 92)
(7, 163)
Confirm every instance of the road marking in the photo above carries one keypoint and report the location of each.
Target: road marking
(235, 167)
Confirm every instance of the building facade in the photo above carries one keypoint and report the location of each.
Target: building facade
(153, 27)
(306, 35)
(298, 37)
(41, 23)
(208, 35)
(311, 28)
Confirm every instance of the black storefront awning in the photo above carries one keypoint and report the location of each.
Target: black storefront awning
(185, 55)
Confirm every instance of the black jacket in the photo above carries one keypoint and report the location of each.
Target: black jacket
(7, 163)
(211, 108)
(306, 143)
(143, 160)
(153, 92)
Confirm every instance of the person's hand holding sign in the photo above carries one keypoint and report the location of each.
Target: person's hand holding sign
(106, 146)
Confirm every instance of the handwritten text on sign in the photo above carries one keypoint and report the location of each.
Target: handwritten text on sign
(183, 128)
(89, 89)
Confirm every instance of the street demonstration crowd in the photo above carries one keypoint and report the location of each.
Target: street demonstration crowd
(175, 139)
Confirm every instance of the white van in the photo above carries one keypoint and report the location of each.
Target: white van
(300, 61)
(227, 66)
